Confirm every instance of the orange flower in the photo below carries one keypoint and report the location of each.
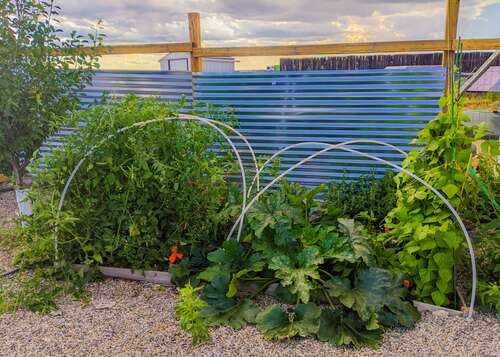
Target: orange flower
(406, 283)
(175, 255)
(387, 229)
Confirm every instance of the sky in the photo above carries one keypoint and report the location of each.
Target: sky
(267, 22)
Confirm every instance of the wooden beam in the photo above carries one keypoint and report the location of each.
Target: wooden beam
(139, 48)
(490, 44)
(481, 44)
(195, 39)
(335, 48)
(450, 35)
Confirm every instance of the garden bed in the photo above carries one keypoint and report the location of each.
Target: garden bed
(165, 278)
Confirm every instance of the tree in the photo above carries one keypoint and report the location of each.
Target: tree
(41, 73)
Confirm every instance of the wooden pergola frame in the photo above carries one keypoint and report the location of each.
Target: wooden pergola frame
(198, 52)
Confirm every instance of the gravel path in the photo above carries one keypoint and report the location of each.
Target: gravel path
(8, 211)
(8, 208)
(126, 318)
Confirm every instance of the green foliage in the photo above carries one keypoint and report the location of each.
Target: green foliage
(368, 199)
(37, 291)
(224, 310)
(376, 295)
(276, 324)
(489, 296)
(316, 259)
(136, 196)
(422, 226)
(188, 312)
(339, 328)
(37, 87)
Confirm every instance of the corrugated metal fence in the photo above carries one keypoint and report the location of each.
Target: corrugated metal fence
(275, 109)
(170, 86)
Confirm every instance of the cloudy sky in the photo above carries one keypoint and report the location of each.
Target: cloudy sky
(247, 22)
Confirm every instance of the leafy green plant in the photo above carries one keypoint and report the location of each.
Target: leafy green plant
(368, 199)
(188, 313)
(421, 225)
(38, 290)
(489, 296)
(322, 264)
(137, 196)
(41, 74)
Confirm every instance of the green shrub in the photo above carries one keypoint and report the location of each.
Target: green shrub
(137, 196)
(322, 264)
(36, 87)
(425, 233)
(367, 199)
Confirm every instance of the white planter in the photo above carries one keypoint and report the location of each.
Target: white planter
(23, 203)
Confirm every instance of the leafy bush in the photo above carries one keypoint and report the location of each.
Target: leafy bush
(37, 86)
(367, 199)
(423, 228)
(138, 195)
(322, 264)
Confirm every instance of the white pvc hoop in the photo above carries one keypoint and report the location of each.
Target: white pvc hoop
(341, 146)
(211, 123)
(316, 143)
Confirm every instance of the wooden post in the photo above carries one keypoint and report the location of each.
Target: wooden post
(450, 35)
(195, 39)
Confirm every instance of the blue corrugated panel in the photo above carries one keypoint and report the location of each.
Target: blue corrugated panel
(169, 86)
(276, 109)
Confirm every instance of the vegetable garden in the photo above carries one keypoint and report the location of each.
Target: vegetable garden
(151, 185)
(343, 261)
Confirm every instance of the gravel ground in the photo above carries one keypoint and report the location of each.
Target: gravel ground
(127, 318)
(8, 211)
(8, 208)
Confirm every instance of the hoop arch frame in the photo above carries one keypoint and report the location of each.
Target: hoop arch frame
(343, 146)
(182, 117)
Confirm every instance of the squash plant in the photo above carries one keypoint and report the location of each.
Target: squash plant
(422, 227)
(312, 259)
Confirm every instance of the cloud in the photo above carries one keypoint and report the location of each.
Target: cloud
(243, 22)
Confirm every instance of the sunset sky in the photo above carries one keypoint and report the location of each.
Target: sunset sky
(243, 22)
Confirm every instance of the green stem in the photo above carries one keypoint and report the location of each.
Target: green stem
(262, 288)
(328, 298)
(327, 273)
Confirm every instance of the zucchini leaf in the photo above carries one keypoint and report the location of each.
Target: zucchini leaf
(276, 324)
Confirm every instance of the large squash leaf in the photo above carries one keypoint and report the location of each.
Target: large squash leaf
(345, 328)
(274, 213)
(377, 296)
(222, 310)
(359, 241)
(276, 324)
(298, 274)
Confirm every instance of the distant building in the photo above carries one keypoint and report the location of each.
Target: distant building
(181, 61)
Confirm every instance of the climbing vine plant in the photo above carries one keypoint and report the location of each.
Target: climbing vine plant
(421, 225)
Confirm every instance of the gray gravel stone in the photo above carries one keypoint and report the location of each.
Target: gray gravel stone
(141, 322)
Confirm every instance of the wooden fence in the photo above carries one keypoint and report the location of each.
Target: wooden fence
(446, 45)
(471, 61)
